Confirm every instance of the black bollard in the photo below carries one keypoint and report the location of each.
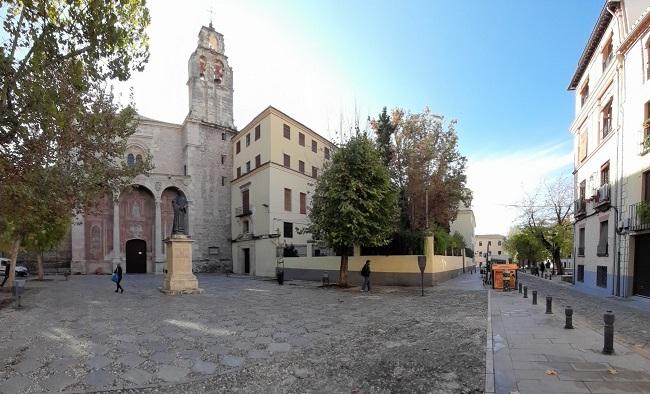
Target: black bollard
(608, 347)
(534, 297)
(525, 291)
(549, 305)
(520, 287)
(550, 277)
(568, 314)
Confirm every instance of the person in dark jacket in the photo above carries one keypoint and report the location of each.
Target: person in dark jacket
(118, 272)
(365, 272)
(542, 268)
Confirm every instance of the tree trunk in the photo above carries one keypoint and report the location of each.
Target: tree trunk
(12, 264)
(343, 272)
(39, 263)
(558, 263)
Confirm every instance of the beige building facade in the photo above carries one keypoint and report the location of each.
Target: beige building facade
(611, 165)
(492, 245)
(276, 161)
(464, 224)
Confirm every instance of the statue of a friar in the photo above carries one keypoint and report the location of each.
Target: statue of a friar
(180, 213)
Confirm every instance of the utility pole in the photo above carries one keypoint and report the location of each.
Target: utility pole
(426, 207)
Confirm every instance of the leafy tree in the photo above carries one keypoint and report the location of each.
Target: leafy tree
(441, 241)
(546, 215)
(46, 235)
(457, 243)
(384, 128)
(354, 202)
(525, 247)
(427, 163)
(62, 137)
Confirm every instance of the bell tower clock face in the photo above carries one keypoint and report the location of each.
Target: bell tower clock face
(212, 42)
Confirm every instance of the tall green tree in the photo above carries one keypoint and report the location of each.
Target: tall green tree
(546, 215)
(384, 127)
(525, 247)
(62, 137)
(354, 201)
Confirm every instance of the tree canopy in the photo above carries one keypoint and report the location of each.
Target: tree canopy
(354, 202)
(62, 136)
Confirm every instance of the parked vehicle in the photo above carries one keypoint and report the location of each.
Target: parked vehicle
(21, 270)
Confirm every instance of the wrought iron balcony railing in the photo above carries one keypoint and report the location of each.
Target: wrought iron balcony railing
(639, 215)
(601, 249)
(580, 207)
(603, 195)
(242, 211)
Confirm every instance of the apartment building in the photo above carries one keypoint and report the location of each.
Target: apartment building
(276, 161)
(491, 245)
(464, 224)
(611, 161)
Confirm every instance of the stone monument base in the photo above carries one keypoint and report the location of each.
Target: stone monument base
(179, 278)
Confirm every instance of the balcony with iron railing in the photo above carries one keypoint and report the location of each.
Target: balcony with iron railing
(243, 211)
(601, 250)
(581, 251)
(639, 216)
(603, 196)
(580, 208)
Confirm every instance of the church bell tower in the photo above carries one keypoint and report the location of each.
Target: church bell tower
(210, 81)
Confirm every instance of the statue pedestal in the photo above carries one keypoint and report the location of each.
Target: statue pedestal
(179, 278)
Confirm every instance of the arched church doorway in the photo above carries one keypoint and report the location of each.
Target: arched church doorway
(136, 256)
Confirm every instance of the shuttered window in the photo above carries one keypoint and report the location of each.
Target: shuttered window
(287, 161)
(287, 132)
(303, 203)
(287, 200)
(257, 132)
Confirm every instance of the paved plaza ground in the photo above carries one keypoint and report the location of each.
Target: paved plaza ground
(243, 335)
(530, 352)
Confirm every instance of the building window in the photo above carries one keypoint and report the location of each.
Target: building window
(480, 243)
(327, 153)
(248, 166)
(581, 273)
(301, 139)
(601, 276)
(602, 240)
(608, 53)
(258, 132)
(130, 160)
(499, 243)
(238, 147)
(223, 181)
(583, 188)
(223, 159)
(287, 161)
(607, 119)
(314, 146)
(584, 93)
(258, 161)
(245, 227)
(248, 139)
(238, 172)
(499, 253)
(480, 254)
(287, 200)
(223, 136)
(647, 59)
(303, 203)
(314, 172)
(287, 132)
(245, 200)
(138, 159)
(582, 145)
(604, 174)
(489, 243)
(646, 126)
(581, 242)
(301, 166)
(185, 169)
(288, 230)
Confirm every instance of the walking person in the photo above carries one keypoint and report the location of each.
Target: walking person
(118, 273)
(542, 268)
(6, 275)
(365, 272)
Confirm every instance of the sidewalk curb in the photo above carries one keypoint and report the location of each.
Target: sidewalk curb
(489, 354)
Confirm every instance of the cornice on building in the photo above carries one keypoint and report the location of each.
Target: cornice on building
(639, 28)
(594, 40)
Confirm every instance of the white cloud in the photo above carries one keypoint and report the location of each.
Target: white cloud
(499, 180)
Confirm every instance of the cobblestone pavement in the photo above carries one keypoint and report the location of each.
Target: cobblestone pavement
(632, 325)
(534, 354)
(242, 335)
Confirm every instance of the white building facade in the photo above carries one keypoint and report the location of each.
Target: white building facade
(611, 162)
(492, 245)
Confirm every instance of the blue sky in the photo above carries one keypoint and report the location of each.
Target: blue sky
(500, 68)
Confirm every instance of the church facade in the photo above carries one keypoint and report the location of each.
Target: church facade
(193, 159)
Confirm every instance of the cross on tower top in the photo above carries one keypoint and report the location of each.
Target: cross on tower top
(210, 11)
